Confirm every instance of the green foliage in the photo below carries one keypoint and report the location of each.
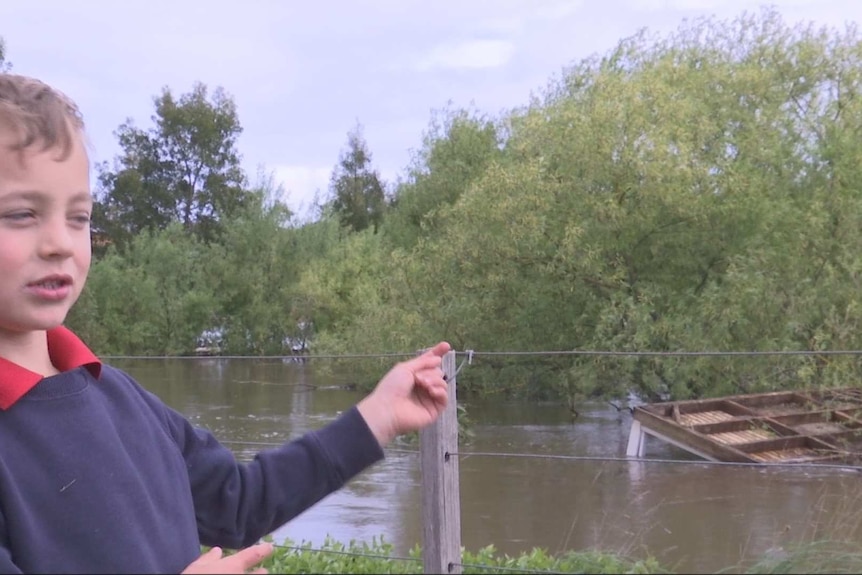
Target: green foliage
(184, 169)
(357, 193)
(253, 268)
(153, 300)
(377, 557)
(697, 191)
(337, 558)
(825, 556)
(456, 149)
(694, 192)
(357, 306)
(168, 287)
(569, 562)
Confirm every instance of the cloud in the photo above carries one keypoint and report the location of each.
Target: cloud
(687, 5)
(301, 183)
(469, 55)
(556, 9)
(518, 16)
(658, 5)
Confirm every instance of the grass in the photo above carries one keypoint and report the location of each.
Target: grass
(376, 557)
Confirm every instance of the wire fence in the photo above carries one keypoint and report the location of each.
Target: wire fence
(462, 455)
(469, 353)
(607, 459)
(285, 357)
(468, 357)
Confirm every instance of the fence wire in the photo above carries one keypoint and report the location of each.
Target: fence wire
(602, 458)
(288, 357)
(470, 354)
(704, 353)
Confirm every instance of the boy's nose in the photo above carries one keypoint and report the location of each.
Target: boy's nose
(57, 240)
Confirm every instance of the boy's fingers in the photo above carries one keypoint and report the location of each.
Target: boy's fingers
(424, 362)
(431, 358)
(250, 556)
(438, 350)
(431, 377)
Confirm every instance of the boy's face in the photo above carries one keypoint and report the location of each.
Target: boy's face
(45, 208)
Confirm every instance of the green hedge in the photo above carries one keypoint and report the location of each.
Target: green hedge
(826, 556)
(377, 557)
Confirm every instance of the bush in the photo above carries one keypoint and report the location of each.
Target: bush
(376, 557)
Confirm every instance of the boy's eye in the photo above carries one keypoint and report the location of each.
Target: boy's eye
(82, 219)
(19, 216)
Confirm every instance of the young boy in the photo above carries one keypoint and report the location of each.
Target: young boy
(96, 473)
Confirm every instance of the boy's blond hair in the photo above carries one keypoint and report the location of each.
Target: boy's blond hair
(33, 113)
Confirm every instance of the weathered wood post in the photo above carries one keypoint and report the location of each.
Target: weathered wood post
(441, 493)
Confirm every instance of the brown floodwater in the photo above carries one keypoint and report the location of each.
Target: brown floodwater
(692, 516)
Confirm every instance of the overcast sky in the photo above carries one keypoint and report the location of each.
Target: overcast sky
(303, 73)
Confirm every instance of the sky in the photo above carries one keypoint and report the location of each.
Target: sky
(304, 74)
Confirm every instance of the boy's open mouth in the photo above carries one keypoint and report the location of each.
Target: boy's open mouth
(52, 282)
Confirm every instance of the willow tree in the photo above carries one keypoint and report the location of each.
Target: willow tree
(698, 204)
(696, 191)
(456, 149)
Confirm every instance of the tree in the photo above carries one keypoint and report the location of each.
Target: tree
(695, 192)
(457, 148)
(184, 169)
(5, 65)
(358, 196)
(156, 298)
(257, 312)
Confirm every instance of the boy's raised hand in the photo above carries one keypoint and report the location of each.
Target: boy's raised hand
(409, 397)
(243, 561)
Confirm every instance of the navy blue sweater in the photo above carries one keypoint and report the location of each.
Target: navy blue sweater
(102, 477)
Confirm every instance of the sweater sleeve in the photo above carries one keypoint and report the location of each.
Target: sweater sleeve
(238, 503)
(6, 563)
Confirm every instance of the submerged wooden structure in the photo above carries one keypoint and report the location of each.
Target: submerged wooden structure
(822, 426)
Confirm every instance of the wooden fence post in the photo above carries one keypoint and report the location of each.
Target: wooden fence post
(441, 493)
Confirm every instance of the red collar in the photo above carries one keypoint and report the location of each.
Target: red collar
(67, 352)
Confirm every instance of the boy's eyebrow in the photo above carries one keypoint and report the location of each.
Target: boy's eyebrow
(33, 195)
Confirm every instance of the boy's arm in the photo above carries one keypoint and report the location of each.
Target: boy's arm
(6, 563)
(238, 503)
